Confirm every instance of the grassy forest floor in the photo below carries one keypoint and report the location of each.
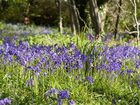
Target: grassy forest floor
(40, 66)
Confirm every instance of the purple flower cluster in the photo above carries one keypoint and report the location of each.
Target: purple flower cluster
(61, 95)
(51, 92)
(21, 30)
(29, 82)
(118, 57)
(50, 58)
(5, 101)
(89, 79)
(46, 32)
(38, 57)
(90, 37)
(71, 102)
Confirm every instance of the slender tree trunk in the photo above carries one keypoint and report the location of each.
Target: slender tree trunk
(59, 6)
(60, 18)
(136, 20)
(103, 15)
(95, 16)
(118, 19)
(75, 25)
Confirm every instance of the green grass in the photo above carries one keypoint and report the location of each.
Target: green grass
(106, 87)
(109, 88)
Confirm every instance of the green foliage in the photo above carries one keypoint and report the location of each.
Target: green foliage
(45, 12)
(1, 25)
(107, 88)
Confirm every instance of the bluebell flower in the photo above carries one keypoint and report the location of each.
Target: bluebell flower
(45, 74)
(72, 46)
(129, 71)
(51, 92)
(137, 83)
(83, 58)
(29, 82)
(59, 101)
(1, 51)
(114, 57)
(71, 102)
(36, 69)
(46, 31)
(64, 94)
(137, 64)
(5, 101)
(90, 37)
(89, 79)
(27, 33)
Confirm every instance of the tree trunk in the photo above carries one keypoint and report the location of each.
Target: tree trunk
(81, 5)
(118, 19)
(59, 6)
(75, 25)
(136, 20)
(95, 16)
(103, 15)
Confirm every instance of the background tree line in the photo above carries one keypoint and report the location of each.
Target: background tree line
(102, 16)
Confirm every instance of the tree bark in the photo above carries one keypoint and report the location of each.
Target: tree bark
(136, 20)
(95, 16)
(75, 25)
(118, 19)
(103, 15)
(59, 6)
